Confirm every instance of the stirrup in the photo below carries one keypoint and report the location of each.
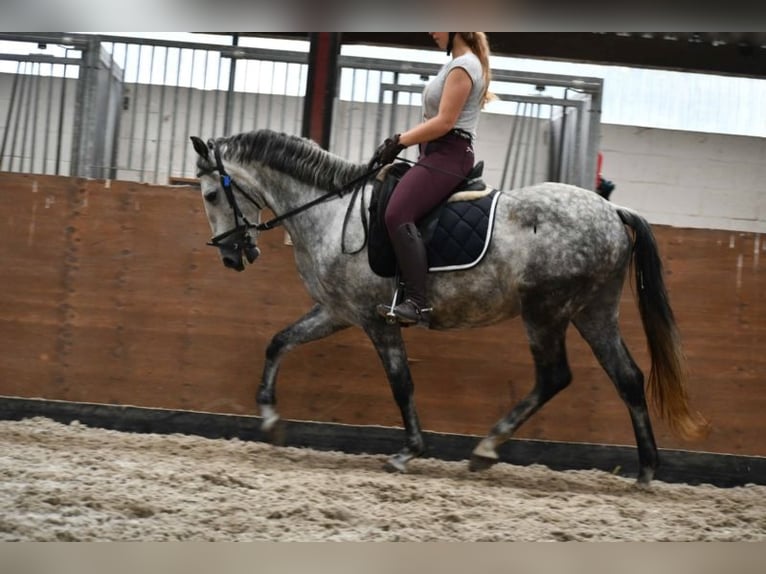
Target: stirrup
(409, 313)
(387, 311)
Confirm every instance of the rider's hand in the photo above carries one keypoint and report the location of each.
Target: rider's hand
(387, 151)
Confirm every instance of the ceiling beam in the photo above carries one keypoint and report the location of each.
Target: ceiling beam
(727, 53)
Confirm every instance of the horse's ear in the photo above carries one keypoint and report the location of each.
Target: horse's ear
(200, 147)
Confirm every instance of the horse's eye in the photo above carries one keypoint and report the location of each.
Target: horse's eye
(211, 196)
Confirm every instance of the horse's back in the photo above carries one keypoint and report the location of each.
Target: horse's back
(557, 231)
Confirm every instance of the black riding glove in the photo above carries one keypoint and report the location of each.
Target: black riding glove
(387, 151)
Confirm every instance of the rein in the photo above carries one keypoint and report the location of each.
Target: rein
(239, 237)
(245, 241)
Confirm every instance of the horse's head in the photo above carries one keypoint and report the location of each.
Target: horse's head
(230, 226)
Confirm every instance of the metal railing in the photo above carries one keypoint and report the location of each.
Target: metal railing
(123, 108)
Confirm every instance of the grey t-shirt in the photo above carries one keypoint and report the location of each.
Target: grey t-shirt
(432, 93)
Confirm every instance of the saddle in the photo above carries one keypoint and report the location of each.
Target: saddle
(456, 232)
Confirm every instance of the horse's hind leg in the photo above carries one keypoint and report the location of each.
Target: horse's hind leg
(552, 374)
(390, 347)
(599, 328)
(316, 324)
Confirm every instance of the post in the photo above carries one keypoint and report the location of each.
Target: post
(321, 87)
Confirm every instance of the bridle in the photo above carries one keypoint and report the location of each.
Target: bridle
(239, 237)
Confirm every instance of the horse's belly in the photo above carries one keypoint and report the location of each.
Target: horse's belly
(473, 310)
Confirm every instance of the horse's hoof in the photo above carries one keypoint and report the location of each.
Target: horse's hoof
(398, 462)
(479, 463)
(275, 433)
(643, 482)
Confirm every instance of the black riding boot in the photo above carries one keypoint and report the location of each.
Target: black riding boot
(413, 266)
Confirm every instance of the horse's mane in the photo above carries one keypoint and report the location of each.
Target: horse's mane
(299, 157)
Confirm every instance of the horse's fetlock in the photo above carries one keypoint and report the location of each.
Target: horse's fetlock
(486, 449)
(270, 417)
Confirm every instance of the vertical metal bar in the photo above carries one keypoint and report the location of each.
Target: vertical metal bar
(114, 157)
(21, 105)
(257, 98)
(202, 93)
(349, 115)
(161, 115)
(34, 120)
(46, 139)
(527, 144)
(216, 94)
(79, 95)
(243, 98)
(9, 116)
(270, 95)
(519, 141)
(62, 107)
(133, 108)
(594, 135)
(524, 147)
(380, 112)
(576, 165)
(229, 106)
(564, 113)
(363, 132)
(146, 114)
(411, 121)
(188, 109)
(175, 112)
(301, 100)
(284, 99)
(394, 105)
(536, 134)
(88, 111)
(509, 151)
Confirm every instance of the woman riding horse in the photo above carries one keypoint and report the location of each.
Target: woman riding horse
(451, 105)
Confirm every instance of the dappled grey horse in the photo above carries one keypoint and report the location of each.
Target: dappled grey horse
(558, 255)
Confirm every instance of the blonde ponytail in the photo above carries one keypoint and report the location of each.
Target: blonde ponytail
(479, 45)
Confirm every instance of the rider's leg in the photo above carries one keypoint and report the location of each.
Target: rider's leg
(442, 166)
(411, 256)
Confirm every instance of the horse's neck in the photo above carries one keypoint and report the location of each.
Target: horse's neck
(286, 194)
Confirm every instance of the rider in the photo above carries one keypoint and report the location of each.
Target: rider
(451, 105)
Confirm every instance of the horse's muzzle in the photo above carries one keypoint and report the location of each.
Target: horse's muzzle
(234, 257)
(235, 246)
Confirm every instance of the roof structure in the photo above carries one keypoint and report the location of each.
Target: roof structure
(727, 53)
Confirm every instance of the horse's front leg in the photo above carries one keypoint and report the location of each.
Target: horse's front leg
(390, 347)
(316, 324)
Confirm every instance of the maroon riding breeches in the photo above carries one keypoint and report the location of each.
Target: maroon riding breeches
(443, 164)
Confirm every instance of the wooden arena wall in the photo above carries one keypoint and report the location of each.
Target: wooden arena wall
(110, 295)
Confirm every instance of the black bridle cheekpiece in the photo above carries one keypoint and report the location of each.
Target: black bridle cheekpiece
(238, 238)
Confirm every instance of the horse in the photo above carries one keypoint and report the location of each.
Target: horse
(558, 255)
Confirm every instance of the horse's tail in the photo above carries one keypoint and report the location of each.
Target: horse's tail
(666, 384)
